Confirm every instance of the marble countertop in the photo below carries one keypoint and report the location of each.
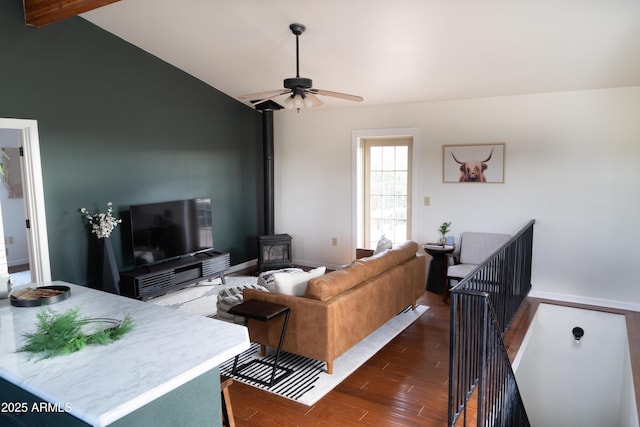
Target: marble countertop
(100, 384)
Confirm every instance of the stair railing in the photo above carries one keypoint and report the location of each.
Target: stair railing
(482, 385)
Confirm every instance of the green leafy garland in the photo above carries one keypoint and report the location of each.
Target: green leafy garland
(62, 333)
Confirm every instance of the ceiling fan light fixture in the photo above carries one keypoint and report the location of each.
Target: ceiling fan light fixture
(308, 103)
(288, 102)
(298, 101)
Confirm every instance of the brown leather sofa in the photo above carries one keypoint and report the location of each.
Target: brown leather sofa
(342, 307)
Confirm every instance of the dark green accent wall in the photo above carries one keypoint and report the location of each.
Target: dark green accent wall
(118, 124)
(193, 404)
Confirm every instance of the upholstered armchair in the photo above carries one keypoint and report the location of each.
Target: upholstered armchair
(473, 249)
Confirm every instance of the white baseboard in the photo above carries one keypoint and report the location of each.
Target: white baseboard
(14, 262)
(621, 305)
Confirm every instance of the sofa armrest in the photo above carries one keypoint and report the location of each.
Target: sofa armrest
(310, 323)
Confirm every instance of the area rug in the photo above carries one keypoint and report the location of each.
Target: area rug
(310, 382)
(201, 298)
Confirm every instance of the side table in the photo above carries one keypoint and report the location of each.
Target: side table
(437, 266)
(262, 311)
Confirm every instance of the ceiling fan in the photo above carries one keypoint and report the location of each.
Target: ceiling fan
(300, 90)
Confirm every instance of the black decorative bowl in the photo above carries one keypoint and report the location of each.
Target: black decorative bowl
(63, 293)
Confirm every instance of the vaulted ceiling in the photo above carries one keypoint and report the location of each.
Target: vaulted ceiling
(390, 51)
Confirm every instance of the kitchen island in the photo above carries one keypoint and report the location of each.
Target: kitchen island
(163, 372)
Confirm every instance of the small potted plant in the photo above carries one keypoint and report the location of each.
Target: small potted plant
(444, 229)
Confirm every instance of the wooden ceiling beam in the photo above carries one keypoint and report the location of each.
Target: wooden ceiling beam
(43, 12)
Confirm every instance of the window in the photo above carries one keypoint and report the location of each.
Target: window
(386, 190)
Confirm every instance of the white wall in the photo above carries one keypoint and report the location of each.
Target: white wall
(13, 212)
(568, 383)
(571, 164)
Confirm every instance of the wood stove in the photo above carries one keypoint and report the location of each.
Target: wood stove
(274, 252)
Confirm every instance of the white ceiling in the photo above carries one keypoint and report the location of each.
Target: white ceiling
(390, 51)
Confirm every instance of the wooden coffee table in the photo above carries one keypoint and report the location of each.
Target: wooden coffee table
(264, 312)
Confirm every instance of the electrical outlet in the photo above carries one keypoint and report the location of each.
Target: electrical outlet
(334, 241)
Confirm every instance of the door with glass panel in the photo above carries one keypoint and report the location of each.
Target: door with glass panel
(386, 169)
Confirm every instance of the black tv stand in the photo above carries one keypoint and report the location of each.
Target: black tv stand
(158, 279)
(208, 253)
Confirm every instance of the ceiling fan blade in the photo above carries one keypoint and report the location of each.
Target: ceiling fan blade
(315, 101)
(258, 101)
(264, 95)
(346, 96)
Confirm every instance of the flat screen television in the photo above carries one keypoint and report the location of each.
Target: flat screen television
(169, 230)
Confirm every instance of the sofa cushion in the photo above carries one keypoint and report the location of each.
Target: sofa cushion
(324, 287)
(379, 263)
(295, 283)
(460, 270)
(336, 282)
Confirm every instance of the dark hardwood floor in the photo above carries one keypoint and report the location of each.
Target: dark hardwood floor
(18, 268)
(404, 384)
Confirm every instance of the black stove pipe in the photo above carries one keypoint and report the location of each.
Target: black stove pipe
(267, 108)
(267, 140)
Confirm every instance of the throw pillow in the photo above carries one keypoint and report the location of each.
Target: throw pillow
(296, 283)
(229, 297)
(383, 244)
(318, 271)
(267, 280)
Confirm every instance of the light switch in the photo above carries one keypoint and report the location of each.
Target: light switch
(427, 201)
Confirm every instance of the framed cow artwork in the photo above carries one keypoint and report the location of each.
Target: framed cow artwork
(475, 163)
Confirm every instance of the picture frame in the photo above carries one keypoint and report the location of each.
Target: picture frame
(473, 163)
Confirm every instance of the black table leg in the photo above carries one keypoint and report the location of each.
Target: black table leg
(275, 362)
(263, 312)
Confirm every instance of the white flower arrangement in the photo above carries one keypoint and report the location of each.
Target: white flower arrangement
(102, 224)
